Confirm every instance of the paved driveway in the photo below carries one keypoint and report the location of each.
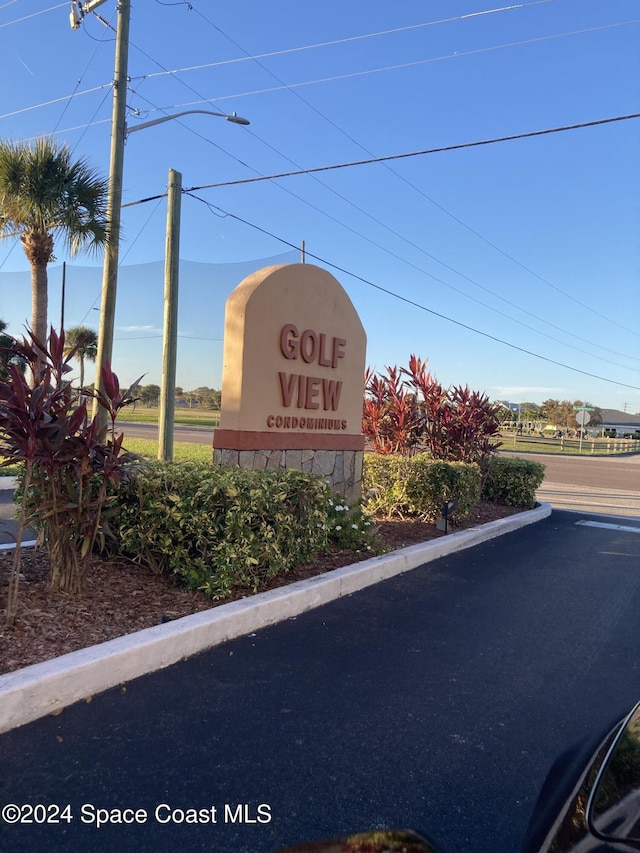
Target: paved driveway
(435, 700)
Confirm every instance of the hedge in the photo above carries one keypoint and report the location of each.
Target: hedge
(513, 481)
(418, 486)
(217, 527)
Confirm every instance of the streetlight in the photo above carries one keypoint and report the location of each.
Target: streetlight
(171, 274)
(234, 118)
(120, 132)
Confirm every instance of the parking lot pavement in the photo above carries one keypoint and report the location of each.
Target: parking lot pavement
(435, 700)
(8, 525)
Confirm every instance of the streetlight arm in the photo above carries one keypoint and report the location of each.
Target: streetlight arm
(236, 119)
(90, 5)
(80, 9)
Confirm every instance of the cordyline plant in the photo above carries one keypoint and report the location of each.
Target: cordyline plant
(391, 418)
(408, 410)
(69, 460)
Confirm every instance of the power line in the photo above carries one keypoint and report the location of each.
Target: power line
(8, 255)
(452, 269)
(413, 64)
(334, 42)
(367, 214)
(442, 149)
(208, 101)
(32, 15)
(386, 158)
(56, 100)
(417, 189)
(83, 127)
(417, 304)
(129, 248)
(200, 136)
(407, 155)
(72, 95)
(382, 159)
(311, 171)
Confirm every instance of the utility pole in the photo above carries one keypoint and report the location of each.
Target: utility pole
(170, 329)
(119, 132)
(114, 199)
(64, 279)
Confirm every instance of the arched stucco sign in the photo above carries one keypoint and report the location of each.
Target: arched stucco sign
(293, 373)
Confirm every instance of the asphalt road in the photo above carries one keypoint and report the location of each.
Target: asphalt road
(609, 485)
(436, 700)
(194, 435)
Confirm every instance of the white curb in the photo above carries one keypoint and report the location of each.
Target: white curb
(33, 692)
(10, 546)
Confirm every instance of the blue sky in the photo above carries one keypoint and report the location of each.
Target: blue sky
(534, 242)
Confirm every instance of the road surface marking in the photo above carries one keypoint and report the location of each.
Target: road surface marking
(605, 526)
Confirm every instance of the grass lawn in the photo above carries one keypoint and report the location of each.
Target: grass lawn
(183, 451)
(569, 446)
(185, 417)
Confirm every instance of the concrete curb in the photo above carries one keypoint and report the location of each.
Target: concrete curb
(9, 546)
(33, 692)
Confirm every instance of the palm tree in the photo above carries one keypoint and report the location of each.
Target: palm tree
(85, 343)
(45, 194)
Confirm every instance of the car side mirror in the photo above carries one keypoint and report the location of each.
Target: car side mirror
(614, 805)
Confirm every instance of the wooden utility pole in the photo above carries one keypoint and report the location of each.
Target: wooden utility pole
(170, 328)
(114, 202)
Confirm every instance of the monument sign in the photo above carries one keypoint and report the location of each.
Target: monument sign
(293, 374)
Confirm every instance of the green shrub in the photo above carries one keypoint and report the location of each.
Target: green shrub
(350, 526)
(217, 527)
(431, 484)
(513, 481)
(418, 486)
(384, 484)
(12, 470)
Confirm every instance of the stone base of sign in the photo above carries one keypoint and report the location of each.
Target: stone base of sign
(342, 469)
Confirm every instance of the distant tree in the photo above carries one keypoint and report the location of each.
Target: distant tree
(207, 398)
(558, 413)
(149, 394)
(562, 413)
(190, 397)
(85, 342)
(530, 411)
(45, 194)
(597, 417)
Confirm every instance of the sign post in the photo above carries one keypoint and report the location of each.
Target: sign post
(583, 417)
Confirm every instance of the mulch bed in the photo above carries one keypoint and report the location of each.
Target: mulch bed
(121, 598)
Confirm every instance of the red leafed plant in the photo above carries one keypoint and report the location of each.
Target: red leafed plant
(69, 460)
(391, 419)
(408, 409)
